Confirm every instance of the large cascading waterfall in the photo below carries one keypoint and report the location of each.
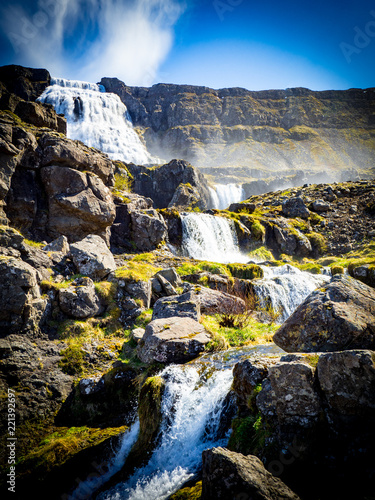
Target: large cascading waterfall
(97, 118)
(194, 407)
(284, 288)
(222, 195)
(206, 237)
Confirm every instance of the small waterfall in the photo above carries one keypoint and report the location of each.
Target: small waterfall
(206, 237)
(225, 194)
(193, 408)
(286, 287)
(96, 118)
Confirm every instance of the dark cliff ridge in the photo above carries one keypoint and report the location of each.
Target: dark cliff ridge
(268, 131)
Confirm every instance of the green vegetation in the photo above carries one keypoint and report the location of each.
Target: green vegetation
(245, 271)
(262, 253)
(61, 445)
(254, 332)
(136, 271)
(195, 268)
(188, 493)
(318, 242)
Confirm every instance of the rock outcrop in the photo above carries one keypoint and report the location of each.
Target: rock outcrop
(338, 317)
(172, 340)
(231, 475)
(277, 130)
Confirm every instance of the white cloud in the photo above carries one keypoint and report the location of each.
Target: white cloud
(133, 37)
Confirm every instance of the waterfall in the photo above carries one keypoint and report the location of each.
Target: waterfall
(224, 194)
(206, 237)
(96, 118)
(286, 287)
(193, 408)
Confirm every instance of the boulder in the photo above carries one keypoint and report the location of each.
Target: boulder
(148, 229)
(79, 203)
(228, 475)
(321, 206)
(92, 257)
(186, 305)
(338, 317)
(60, 244)
(295, 207)
(172, 340)
(132, 298)
(215, 302)
(347, 379)
(79, 299)
(289, 394)
(171, 275)
(21, 306)
(364, 273)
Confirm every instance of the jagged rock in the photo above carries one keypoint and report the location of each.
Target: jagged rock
(21, 306)
(227, 474)
(60, 244)
(39, 260)
(79, 299)
(242, 207)
(170, 176)
(186, 196)
(148, 229)
(92, 257)
(334, 318)
(27, 83)
(107, 400)
(347, 380)
(289, 394)
(290, 240)
(57, 150)
(10, 237)
(295, 207)
(172, 340)
(186, 305)
(132, 297)
(171, 275)
(79, 203)
(167, 287)
(247, 375)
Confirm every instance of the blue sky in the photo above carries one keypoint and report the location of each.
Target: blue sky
(217, 43)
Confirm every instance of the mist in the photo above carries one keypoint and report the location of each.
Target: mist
(88, 39)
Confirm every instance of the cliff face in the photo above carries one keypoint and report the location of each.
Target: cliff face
(257, 134)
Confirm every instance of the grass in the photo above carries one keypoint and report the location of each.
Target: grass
(223, 337)
(195, 268)
(136, 271)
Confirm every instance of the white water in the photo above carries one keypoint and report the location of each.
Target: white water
(192, 409)
(286, 287)
(86, 488)
(96, 118)
(225, 194)
(207, 237)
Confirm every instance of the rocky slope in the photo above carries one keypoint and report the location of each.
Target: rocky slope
(256, 135)
(92, 302)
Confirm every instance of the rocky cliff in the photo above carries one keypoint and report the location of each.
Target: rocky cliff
(256, 134)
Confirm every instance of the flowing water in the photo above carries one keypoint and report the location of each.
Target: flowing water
(206, 237)
(285, 288)
(97, 118)
(193, 406)
(222, 195)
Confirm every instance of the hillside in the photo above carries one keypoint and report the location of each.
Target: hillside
(236, 135)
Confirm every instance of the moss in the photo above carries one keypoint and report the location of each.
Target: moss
(310, 267)
(337, 270)
(136, 271)
(246, 271)
(318, 242)
(188, 493)
(195, 268)
(35, 244)
(62, 444)
(72, 360)
(262, 253)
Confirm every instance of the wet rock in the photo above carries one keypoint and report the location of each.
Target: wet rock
(186, 305)
(338, 317)
(79, 299)
(92, 257)
(227, 474)
(172, 340)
